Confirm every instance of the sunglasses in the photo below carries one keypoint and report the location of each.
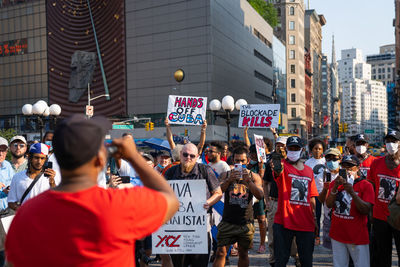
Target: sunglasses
(19, 145)
(185, 155)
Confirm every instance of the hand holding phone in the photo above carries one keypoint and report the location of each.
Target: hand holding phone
(47, 165)
(276, 159)
(328, 177)
(125, 179)
(343, 174)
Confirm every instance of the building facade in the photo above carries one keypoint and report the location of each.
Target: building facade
(291, 30)
(396, 24)
(326, 97)
(364, 101)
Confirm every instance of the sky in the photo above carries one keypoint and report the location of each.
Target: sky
(364, 24)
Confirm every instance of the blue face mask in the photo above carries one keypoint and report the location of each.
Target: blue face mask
(253, 162)
(332, 165)
(50, 144)
(244, 166)
(159, 166)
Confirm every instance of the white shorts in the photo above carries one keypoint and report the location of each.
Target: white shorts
(341, 252)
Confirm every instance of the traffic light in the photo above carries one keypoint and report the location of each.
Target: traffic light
(345, 127)
(186, 132)
(340, 128)
(147, 126)
(151, 126)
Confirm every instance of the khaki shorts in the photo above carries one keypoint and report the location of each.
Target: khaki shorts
(229, 234)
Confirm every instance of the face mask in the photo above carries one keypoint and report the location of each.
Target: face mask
(253, 162)
(361, 149)
(294, 156)
(392, 148)
(332, 165)
(159, 166)
(244, 166)
(50, 144)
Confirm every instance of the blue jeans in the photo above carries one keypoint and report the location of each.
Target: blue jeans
(283, 239)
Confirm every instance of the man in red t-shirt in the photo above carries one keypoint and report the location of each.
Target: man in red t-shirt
(365, 158)
(80, 224)
(295, 216)
(385, 176)
(351, 198)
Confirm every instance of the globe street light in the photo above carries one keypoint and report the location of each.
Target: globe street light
(228, 105)
(40, 110)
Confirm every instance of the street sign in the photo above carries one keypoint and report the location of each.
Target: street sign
(122, 127)
(369, 131)
(281, 127)
(89, 111)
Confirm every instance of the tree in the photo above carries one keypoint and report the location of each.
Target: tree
(266, 10)
(8, 134)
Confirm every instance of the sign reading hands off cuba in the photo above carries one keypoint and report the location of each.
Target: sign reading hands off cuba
(259, 116)
(189, 110)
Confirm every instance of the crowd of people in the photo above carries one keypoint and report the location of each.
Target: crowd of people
(107, 198)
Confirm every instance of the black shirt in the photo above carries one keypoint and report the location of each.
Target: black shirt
(268, 177)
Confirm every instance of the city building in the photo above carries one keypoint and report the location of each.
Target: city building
(326, 97)
(336, 92)
(313, 42)
(364, 101)
(223, 47)
(308, 92)
(396, 25)
(383, 69)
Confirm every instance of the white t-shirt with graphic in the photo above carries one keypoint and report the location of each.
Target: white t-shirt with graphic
(219, 167)
(318, 167)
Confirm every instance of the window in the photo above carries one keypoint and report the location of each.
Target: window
(292, 54)
(291, 39)
(279, 12)
(292, 83)
(389, 70)
(262, 77)
(262, 57)
(292, 69)
(373, 71)
(379, 70)
(291, 11)
(293, 97)
(293, 112)
(379, 77)
(291, 25)
(383, 70)
(374, 77)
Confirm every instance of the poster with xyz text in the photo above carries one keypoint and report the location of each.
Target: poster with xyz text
(186, 232)
(188, 110)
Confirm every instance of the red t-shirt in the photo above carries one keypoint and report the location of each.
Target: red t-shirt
(295, 189)
(366, 164)
(93, 227)
(348, 224)
(385, 182)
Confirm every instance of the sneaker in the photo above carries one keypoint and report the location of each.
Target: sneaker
(261, 249)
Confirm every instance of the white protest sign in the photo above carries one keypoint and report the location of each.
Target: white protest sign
(188, 110)
(259, 116)
(260, 147)
(186, 232)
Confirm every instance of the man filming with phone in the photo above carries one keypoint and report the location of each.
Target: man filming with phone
(351, 198)
(38, 178)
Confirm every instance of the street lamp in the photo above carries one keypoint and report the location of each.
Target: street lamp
(40, 110)
(228, 105)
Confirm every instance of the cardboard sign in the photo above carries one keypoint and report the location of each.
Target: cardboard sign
(186, 232)
(188, 110)
(259, 116)
(260, 147)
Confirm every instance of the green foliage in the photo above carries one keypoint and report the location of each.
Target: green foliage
(8, 134)
(266, 10)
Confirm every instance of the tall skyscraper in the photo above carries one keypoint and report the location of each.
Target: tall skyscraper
(336, 92)
(396, 24)
(291, 31)
(364, 101)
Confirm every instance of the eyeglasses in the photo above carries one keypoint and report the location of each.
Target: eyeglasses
(19, 145)
(185, 155)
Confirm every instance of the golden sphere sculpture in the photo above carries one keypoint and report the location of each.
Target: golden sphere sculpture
(179, 75)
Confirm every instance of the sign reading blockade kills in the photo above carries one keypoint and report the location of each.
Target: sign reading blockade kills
(189, 110)
(186, 232)
(259, 116)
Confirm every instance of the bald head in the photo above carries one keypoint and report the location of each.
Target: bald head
(190, 147)
(189, 156)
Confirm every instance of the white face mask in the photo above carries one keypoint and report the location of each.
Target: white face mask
(294, 156)
(392, 148)
(361, 149)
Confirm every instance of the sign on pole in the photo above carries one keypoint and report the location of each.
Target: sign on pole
(186, 232)
(89, 111)
(122, 127)
(260, 147)
(259, 116)
(188, 110)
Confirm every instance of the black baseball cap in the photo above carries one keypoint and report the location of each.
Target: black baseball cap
(294, 141)
(163, 153)
(394, 134)
(360, 138)
(350, 159)
(78, 139)
(148, 157)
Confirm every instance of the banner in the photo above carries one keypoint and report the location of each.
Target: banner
(259, 116)
(186, 232)
(260, 147)
(188, 110)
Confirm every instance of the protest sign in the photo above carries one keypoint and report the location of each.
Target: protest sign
(186, 232)
(188, 110)
(260, 147)
(259, 116)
